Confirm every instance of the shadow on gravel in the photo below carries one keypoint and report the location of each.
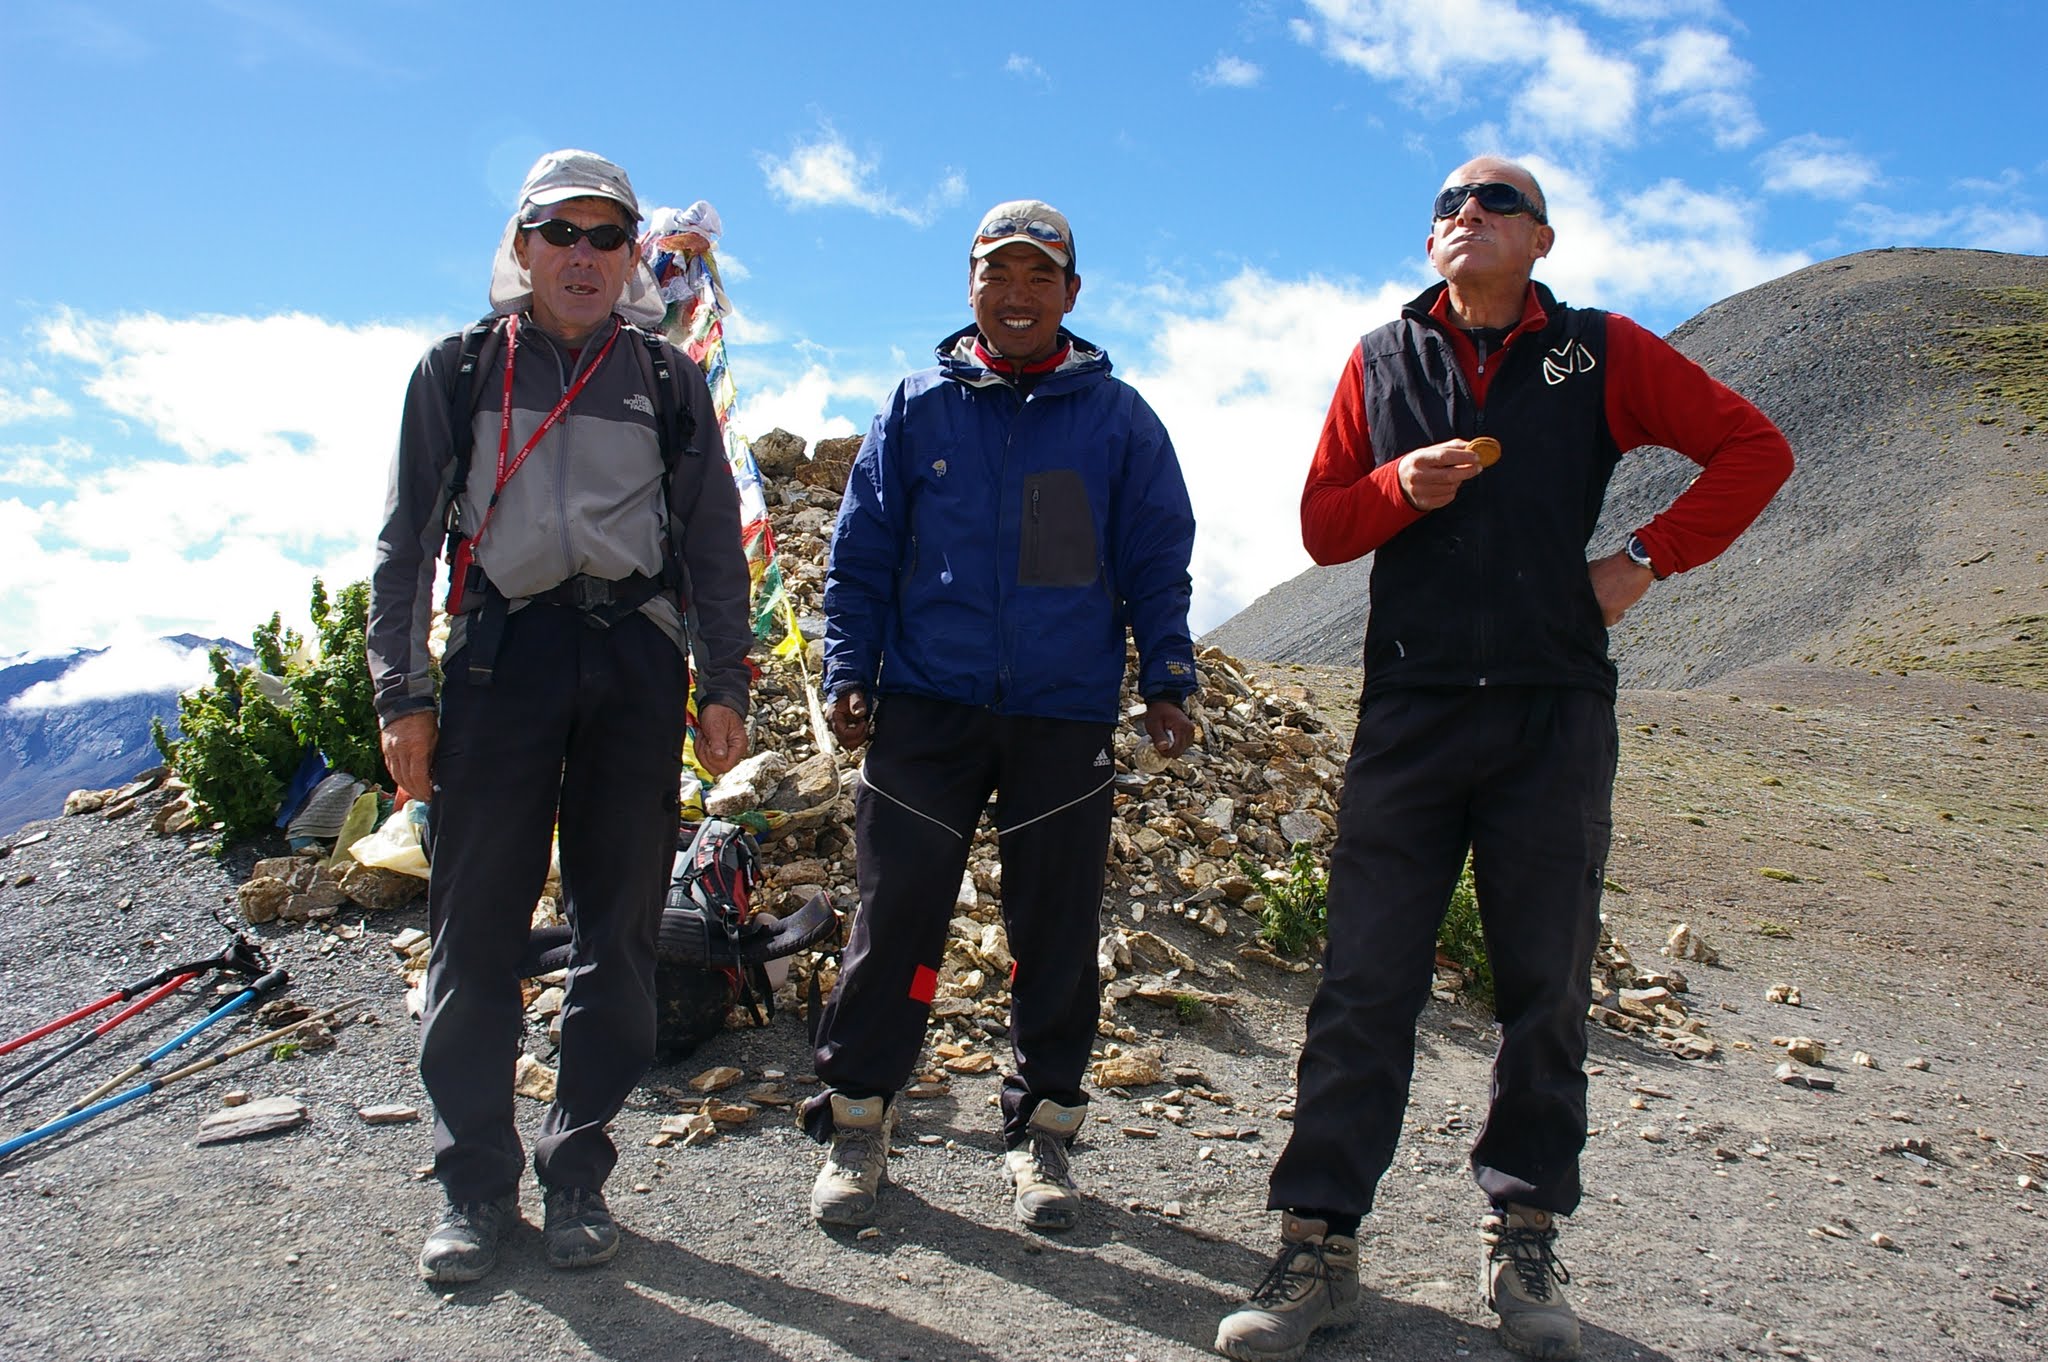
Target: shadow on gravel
(1068, 1268)
(643, 1311)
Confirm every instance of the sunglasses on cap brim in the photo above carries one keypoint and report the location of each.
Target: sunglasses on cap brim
(606, 236)
(1502, 200)
(1002, 229)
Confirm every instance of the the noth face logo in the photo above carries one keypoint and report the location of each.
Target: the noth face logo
(1570, 358)
(641, 403)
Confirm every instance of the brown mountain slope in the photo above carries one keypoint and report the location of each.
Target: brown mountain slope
(1912, 534)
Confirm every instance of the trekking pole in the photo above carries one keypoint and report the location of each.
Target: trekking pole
(81, 1115)
(241, 1000)
(157, 995)
(242, 957)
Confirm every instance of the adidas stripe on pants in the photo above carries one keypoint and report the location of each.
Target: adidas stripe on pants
(931, 767)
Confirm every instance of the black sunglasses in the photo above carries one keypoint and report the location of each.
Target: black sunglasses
(606, 236)
(1504, 200)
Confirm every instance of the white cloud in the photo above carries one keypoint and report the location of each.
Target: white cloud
(1572, 89)
(128, 667)
(1662, 246)
(45, 465)
(1021, 65)
(1700, 76)
(35, 404)
(1657, 9)
(798, 406)
(1242, 387)
(1230, 72)
(826, 172)
(1823, 167)
(260, 458)
(1984, 229)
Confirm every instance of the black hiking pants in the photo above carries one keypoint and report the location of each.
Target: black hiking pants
(1524, 777)
(930, 769)
(581, 727)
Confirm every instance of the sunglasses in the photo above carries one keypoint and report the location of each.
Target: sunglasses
(606, 236)
(1503, 200)
(1036, 228)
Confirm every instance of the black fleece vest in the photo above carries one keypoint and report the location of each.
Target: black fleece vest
(1492, 589)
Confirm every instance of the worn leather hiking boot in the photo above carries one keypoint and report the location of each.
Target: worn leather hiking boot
(464, 1246)
(1312, 1284)
(1038, 1168)
(579, 1230)
(1525, 1283)
(857, 1163)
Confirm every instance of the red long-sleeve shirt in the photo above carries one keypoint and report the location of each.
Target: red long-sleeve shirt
(1654, 396)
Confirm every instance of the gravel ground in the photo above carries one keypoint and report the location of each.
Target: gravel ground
(1728, 1215)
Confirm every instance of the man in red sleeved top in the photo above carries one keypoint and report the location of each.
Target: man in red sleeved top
(1487, 724)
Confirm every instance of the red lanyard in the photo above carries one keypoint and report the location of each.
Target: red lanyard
(505, 471)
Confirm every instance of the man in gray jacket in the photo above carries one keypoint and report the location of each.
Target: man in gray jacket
(600, 516)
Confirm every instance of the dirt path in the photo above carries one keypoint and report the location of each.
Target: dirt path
(1728, 1216)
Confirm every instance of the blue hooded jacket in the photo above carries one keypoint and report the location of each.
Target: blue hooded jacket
(993, 545)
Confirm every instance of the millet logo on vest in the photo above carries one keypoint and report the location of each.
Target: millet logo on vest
(1568, 359)
(641, 403)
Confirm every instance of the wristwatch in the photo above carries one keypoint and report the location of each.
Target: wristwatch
(1639, 555)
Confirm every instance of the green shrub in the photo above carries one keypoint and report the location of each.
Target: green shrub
(238, 748)
(1296, 911)
(1463, 940)
(332, 706)
(236, 751)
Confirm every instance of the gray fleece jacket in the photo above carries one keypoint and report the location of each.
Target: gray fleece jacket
(587, 500)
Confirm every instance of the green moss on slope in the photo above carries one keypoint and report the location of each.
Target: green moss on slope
(2010, 356)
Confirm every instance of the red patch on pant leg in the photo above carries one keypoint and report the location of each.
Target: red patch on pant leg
(924, 985)
(1013, 974)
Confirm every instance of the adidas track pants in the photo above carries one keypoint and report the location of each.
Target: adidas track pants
(930, 769)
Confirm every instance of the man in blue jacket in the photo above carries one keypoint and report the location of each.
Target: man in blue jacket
(1010, 515)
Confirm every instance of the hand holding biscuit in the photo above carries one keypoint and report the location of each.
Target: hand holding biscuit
(1430, 476)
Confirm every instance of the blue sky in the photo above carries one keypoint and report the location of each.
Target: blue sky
(233, 224)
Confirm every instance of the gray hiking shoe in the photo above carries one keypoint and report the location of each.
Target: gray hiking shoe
(858, 1162)
(464, 1246)
(1038, 1168)
(579, 1230)
(1525, 1283)
(1312, 1284)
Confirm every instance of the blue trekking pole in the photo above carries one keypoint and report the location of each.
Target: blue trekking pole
(144, 1089)
(235, 1004)
(242, 957)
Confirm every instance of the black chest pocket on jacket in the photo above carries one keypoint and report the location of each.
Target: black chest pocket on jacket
(1057, 547)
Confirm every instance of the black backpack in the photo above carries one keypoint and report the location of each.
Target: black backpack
(712, 949)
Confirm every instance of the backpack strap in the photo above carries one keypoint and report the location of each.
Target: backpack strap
(462, 426)
(678, 428)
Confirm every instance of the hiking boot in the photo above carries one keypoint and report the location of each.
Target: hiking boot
(1312, 1284)
(464, 1246)
(579, 1230)
(858, 1162)
(1525, 1283)
(1046, 1199)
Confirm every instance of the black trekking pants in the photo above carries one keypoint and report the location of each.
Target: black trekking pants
(930, 768)
(1524, 777)
(582, 726)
